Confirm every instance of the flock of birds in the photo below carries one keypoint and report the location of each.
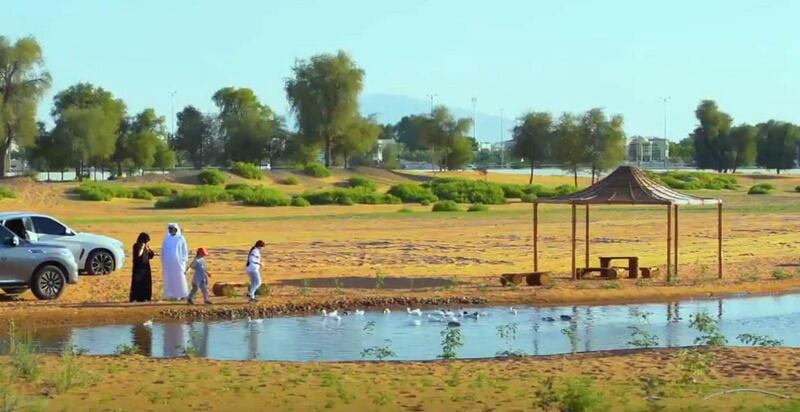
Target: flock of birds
(446, 316)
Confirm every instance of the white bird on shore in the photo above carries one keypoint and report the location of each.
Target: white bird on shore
(359, 312)
(416, 322)
(327, 314)
(512, 311)
(473, 315)
(415, 312)
(387, 311)
(432, 318)
(254, 321)
(148, 323)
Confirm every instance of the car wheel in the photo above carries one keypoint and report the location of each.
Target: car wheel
(48, 282)
(100, 262)
(14, 291)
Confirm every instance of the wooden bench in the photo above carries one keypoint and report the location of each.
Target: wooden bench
(229, 288)
(610, 273)
(633, 264)
(531, 278)
(649, 272)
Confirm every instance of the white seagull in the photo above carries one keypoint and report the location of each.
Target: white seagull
(254, 321)
(327, 314)
(148, 323)
(359, 312)
(387, 311)
(512, 311)
(415, 312)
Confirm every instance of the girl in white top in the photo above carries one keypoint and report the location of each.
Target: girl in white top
(253, 270)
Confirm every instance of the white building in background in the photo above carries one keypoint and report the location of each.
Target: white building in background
(484, 146)
(381, 144)
(647, 149)
(502, 146)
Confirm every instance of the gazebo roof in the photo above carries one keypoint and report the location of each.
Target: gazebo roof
(629, 185)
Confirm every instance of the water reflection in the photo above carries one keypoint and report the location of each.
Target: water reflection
(317, 338)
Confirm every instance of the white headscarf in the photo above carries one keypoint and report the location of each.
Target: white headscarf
(175, 225)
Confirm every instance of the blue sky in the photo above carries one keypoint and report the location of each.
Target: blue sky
(567, 55)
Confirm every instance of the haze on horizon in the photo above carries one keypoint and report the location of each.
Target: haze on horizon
(512, 56)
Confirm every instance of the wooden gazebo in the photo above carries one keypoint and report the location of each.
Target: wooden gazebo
(628, 185)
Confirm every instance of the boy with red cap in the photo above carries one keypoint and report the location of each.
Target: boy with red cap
(201, 275)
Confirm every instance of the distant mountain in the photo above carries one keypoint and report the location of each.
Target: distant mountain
(391, 108)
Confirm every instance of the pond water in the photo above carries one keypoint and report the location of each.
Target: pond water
(318, 338)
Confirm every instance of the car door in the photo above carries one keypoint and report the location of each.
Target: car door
(22, 227)
(15, 261)
(49, 230)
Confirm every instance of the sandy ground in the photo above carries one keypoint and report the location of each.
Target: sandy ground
(134, 383)
(353, 247)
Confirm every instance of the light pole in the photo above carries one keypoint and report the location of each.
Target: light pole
(431, 97)
(502, 146)
(666, 142)
(433, 147)
(172, 119)
(474, 118)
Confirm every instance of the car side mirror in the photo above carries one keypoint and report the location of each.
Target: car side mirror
(70, 232)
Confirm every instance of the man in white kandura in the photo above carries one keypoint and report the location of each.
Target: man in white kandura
(174, 256)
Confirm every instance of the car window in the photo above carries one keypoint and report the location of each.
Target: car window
(17, 227)
(46, 226)
(5, 236)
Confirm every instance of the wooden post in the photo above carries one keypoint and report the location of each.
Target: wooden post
(574, 274)
(669, 243)
(535, 237)
(587, 235)
(675, 260)
(719, 240)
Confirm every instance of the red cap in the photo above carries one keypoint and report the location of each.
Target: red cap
(202, 252)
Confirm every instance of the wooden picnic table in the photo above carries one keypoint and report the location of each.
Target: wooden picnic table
(633, 264)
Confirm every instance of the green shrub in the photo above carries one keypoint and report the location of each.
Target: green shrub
(360, 195)
(405, 210)
(425, 202)
(768, 186)
(361, 181)
(141, 194)
(93, 192)
(160, 190)
(328, 197)
(528, 198)
(478, 207)
(695, 180)
(579, 395)
(237, 186)
(290, 181)
(300, 202)
(565, 190)
(264, 196)
(7, 193)
(512, 191)
(390, 199)
(412, 193)
(197, 197)
(446, 206)
(247, 170)
(211, 177)
(796, 189)
(468, 191)
(316, 170)
(760, 189)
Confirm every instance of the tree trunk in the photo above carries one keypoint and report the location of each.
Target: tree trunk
(575, 175)
(530, 180)
(327, 151)
(778, 170)
(4, 147)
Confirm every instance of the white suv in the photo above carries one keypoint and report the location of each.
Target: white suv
(95, 254)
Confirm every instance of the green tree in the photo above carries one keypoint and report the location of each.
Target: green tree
(408, 131)
(194, 137)
(358, 138)
(247, 125)
(682, 151)
(742, 146)
(391, 156)
(777, 145)
(570, 145)
(605, 138)
(532, 137)
(23, 82)
(164, 158)
(88, 120)
(711, 137)
(445, 135)
(324, 96)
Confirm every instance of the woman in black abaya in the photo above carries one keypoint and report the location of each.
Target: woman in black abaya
(142, 278)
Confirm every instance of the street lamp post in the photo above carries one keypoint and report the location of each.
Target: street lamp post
(666, 142)
(474, 118)
(502, 146)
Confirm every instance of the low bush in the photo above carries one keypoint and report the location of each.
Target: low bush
(405, 210)
(528, 198)
(328, 197)
(360, 195)
(468, 191)
(316, 170)
(412, 193)
(160, 190)
(211, 177)
(290, 181)
(7, 193)
(761, 189)
(94, 191)
(512, 191)
(478, 207)
(264, 196)
(391, 199)
(237, 186)
(361, 181)
(247, 170)
(796, 189)
(197, 197)
(425, 202)
(300, 202)
(446, 206)
(695, 180)
(141, 194)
